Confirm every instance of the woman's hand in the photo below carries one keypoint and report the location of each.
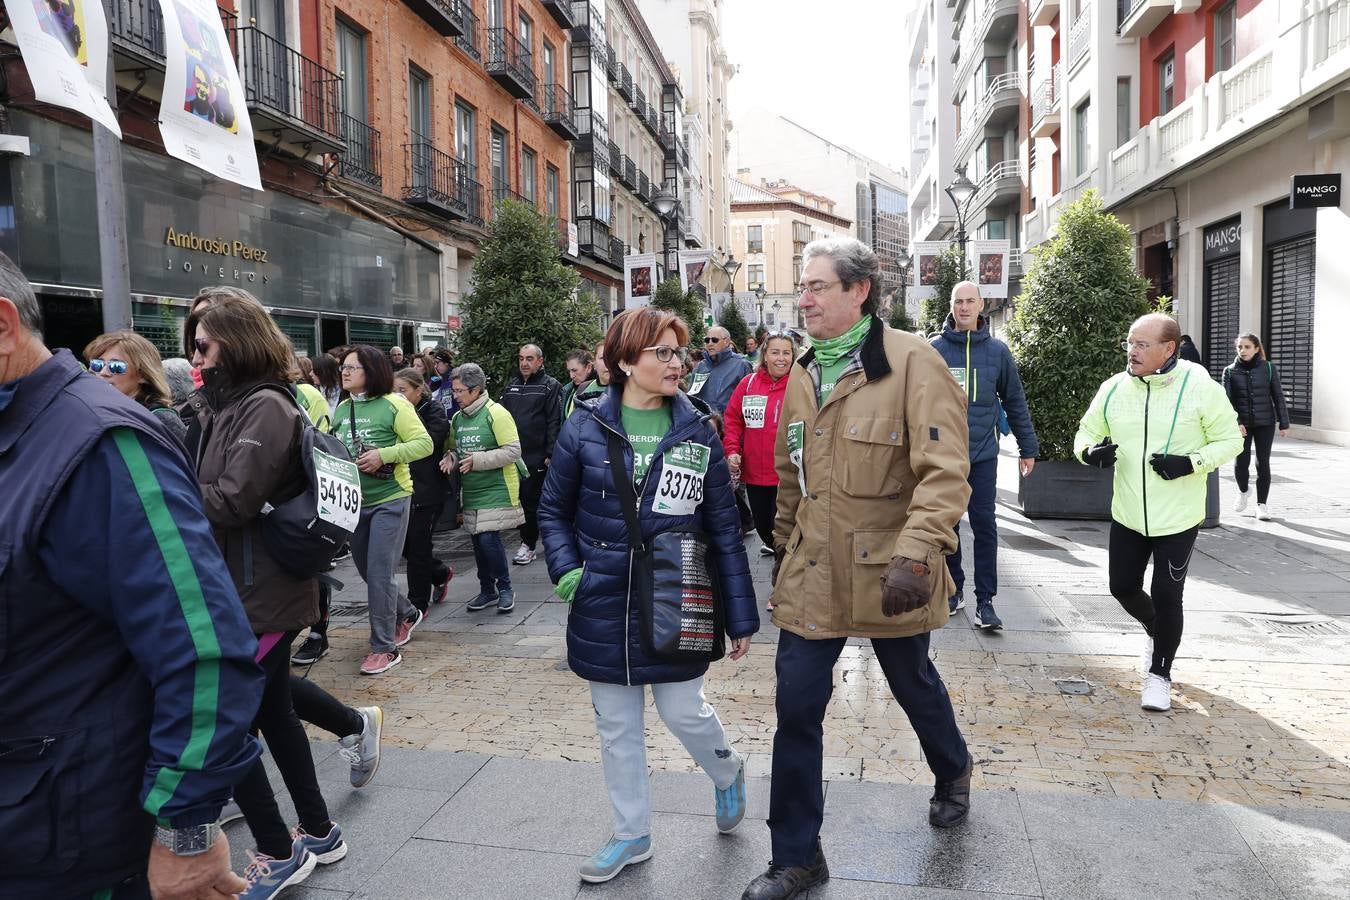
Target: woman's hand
(369, 462)
(739, 647)
(734, 463)
(448, 463)
(466, 464)
(1243, 429)
(1284, 432)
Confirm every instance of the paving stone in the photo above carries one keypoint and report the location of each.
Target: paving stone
(1306, 852)
(1100, 820)
(692, 794)
(1139, 871)
(436, 870)
(422, 770)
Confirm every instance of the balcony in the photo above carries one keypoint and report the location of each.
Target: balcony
(468, 40)
(561, 11)
(611, 65)
(625, 85)
(137, 31)
(288, 95)
(1080, 38)
(997, 20)
(627, 173)
(653, 120)
(640, 104)
(1043, 12)
(998, 104)
(593, 137)
(1136, 18)
(1001, 183)
(1016, 256)
(509, 63)
(436, 181)
(644, 186)
(667, 139)
(617, 252)
(593, 239)
(360, 159)
(1045, 103)
(502, 192)
(559, 114)
(444, 16)
(588, 23)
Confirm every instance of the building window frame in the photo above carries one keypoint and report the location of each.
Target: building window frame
(1123, 130)
(552, 179)
(529, 174)
(754, 239)
(1224, 37)
(754, 276)
(1167, 81)
(420, 123)
(466, 137)
(355, 88)
(1082, 137)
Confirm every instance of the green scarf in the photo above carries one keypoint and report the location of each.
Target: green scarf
(830, 350)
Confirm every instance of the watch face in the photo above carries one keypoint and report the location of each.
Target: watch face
(193, 840)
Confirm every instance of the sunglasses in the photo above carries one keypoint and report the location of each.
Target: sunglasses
(115, 366)
(203, 345)
(711, 340)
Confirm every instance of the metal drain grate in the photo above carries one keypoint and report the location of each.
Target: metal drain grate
(1101, 609)
(1301, 627)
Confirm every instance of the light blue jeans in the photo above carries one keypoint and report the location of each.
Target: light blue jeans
(623, 744)
(377, 546)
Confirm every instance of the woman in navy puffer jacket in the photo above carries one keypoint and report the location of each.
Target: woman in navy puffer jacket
(585, 542)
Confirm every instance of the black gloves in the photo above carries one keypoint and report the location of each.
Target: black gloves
(1170, 465)
(906, 585)
(1101, 454)
(778, 554)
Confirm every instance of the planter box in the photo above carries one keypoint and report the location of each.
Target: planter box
(1067, 490)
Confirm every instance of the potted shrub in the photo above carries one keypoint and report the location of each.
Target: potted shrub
(1078, 300)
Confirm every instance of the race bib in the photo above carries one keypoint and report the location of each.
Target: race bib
(700, 379)
(960, 375)
(680, 490)
(753, 410)
(796, 441)
(339, 490)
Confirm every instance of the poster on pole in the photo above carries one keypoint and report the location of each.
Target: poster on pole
(65, 49)
(639, 278)
(989, 262)
(202, 116)
(693, 267)
(927, 255)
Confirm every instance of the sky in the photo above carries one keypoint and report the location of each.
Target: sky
(835, 67)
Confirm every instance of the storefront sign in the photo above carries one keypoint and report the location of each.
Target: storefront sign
(221, 247)
(1310, 191)
(1223, 240)
(65, 49)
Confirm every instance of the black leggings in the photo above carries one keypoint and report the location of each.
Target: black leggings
(289, 745)
(1263, 436)
(424, 569)
(763, 507)
(325, 602)
(1159, 612)
(318, 707)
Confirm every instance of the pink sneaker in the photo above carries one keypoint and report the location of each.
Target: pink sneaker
(376, 663)
(403, 632)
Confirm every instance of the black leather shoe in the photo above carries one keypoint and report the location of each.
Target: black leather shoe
(951, 800)
(784, 882)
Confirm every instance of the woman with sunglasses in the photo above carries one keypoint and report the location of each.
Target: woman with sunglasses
(664, 435)
(131, 364)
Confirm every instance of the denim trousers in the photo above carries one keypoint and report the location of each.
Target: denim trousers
(489, 554)
(619, 717)
(377, 546)
(983, 489)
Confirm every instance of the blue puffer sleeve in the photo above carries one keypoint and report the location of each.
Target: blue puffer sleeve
(1014, 400)
(722, 522)
(558, 500)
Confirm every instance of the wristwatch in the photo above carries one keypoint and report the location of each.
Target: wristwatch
(189, 841)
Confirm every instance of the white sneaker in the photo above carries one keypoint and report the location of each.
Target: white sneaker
(1146, 661)
(1263, 512)
(524, 556)
(1240, 504)
(1157, 694)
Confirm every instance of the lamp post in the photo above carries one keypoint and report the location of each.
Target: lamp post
(760, 294)
(961, 190)
(730, 266)
(666, 206)
(906, 260)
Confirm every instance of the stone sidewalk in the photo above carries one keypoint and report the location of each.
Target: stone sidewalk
(1244, 788)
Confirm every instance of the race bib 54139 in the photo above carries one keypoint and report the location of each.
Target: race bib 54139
(339, 490)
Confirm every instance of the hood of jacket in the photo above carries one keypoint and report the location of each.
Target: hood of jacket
(978, 335)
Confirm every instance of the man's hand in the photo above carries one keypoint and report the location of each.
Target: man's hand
(906, 585)
(778, 553)
(448, 463)
(369, 462)
(206, 876)
(1284, 432)
(1026, 464)
(739, 647)
(1170, 465)
(1101, 454)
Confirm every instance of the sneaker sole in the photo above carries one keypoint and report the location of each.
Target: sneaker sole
(1166, 708)
(601, 879)
(472, 608)
(505, 609)
(379, 736)
(397, 662)
(300, 875)
(332, 856)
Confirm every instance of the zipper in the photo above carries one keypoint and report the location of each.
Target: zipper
(968, 397)
(1143, 457)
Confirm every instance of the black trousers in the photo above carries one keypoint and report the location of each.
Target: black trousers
(763, 507)
(424, 569)
(1159, 611)
(530, 490)
(318, 707)
(289, 745)
(805, 672)
(325, 601)
(1261, 437)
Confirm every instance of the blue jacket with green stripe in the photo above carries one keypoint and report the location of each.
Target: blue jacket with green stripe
(127, 680)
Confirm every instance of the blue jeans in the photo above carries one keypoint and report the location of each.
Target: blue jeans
(983, 489)
(494, 573)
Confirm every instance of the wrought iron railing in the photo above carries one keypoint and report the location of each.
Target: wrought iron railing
(434, 177)
(138, 24)
(281, 80)
(558, 104)
(616, 252)
(510, 55)
(361, 155)
(468, 41)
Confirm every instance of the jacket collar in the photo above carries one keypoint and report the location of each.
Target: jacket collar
(1169, 373)
(716, 359)
(978, 336)
(23, 400)
(536, 378)
(473, 408)
(872, 353)
(684, 410)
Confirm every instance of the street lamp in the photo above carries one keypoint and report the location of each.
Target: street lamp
(666, 205)
(760, 294)
(961, 190)
(731, 267)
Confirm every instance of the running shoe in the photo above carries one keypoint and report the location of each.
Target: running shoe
(985, 617)
(326, 850)
(524, 556)
(954, 602)
(506, 601)
(1240, 504)
(438, 593)
(482, 601)
(1263, 512)
(376, 663)
(362, 751)
(267, 877)
(403, 631)
(311, 650)
(610, 859)
(731, 803)
(1157, 695)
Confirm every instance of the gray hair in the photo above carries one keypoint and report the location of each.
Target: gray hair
(178, 373)
(853, 262)
(14, 285)
(470, 375)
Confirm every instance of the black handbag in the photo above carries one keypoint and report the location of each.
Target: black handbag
(673, 580)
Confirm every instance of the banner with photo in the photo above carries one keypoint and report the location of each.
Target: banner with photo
(202, 116)
(693, 270)
(639, 279)
(925, 268)
(989, 263)
(65, 49)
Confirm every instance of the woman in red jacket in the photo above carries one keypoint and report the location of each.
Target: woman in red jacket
(752, 427)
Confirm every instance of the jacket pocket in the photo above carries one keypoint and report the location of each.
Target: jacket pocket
(39, 793)
(871, 456)
(871, 553)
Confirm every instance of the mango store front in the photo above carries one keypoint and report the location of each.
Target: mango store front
(328, 278)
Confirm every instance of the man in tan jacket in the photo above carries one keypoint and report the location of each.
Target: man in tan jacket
(872, 459)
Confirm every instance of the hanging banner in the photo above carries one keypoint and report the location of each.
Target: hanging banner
(202, 116)
(65, 49)
(925, 268)
(693, 267)
(989, 262)
(639, 278)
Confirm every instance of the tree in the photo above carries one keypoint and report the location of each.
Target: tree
(898, 317)
(953, 268)
(522, 293)
(1078, 300)
(734, 323)
(685, 304)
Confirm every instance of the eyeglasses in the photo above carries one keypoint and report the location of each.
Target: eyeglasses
(1141, 346)
(462, 390)
(815, 287)
(115, 366)
(203, 345)
(348, 368)
(663, 353)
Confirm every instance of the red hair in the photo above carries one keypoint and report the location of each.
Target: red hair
(632, 331)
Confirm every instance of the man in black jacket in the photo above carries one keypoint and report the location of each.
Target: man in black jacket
(534, 400)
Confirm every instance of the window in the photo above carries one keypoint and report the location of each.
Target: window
(419, 104)
(996, 229)
(1082, 143)
(466, 142)
(501, 176)
(801, 236)
(754, 276)
(1122, 110)
(352, 61)
(529, 166)
(527, 38)
(1167, 83)
(551, 192)
(754, 238)
(796, 270)
(1225, 36)
(550, 66)
(494, 14)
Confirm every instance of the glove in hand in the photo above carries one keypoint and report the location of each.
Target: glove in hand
(1170, 465)
(906, 585)
(1101, 454)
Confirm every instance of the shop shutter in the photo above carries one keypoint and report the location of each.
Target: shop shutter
(161, 325)
(1222, 310)
(1288, 337)
(380, 335)
(299, 330)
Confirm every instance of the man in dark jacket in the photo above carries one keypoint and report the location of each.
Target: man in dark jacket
(1188, 351)
(985, 369)
(127, 681)
(534, 399)
(720, 371)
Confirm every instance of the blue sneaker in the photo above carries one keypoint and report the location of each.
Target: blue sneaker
(731, 803)
(610, 860)
(326, 850)
(954, 602)
(985, 617)
(506, 600)
(268, 877)
(482, 601)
